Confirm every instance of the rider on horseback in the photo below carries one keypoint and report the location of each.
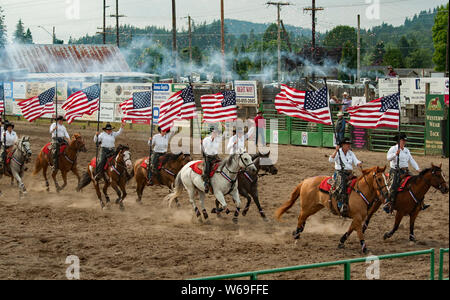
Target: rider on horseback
(344, 160)
(107, 140)
(399, 160)
(237, 141)
(160, 142)
(8, 134)
(211, 145)
(59, 137)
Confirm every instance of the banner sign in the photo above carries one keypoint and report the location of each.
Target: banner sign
(434, 115)
(246, 93)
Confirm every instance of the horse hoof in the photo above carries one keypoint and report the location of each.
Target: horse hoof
(139, 202)
(244, 212)
(296, 235)
(386, 236)
(341, 246)
(118, 201)
(412, 239)
(265, 219)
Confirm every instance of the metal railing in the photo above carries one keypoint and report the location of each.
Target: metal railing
(441, 263)
(346, 263)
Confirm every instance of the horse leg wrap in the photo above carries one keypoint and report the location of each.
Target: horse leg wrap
(412, 238)
(363, 246)
(197, 212)
(236, 213)
(297, 233)
(261, 212)
(227, 211)
(344, 238)
(205, 214)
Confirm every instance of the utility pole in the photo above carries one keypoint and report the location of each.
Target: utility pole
(313, 10)
(104, 22)
(222, 40)
(448, 30)
(54, 36)
(174, 38)
(117, 16)
(358, 73)
(279, 5)
(190, 40)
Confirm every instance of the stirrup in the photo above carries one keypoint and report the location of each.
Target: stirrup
(387, 208)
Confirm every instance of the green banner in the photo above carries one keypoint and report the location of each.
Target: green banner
(435, 106)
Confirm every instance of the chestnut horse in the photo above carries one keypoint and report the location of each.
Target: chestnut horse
(409, 200)
(118, 173)
(371, 185)
(67, 161)
(171, 165)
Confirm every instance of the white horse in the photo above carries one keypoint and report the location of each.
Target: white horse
(16, 167)
(223, 182)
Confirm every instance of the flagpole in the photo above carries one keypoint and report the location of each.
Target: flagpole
(98, 116)
(151, 134)
(399, 121)
(4, 129)
(56, 108)
(334, 128)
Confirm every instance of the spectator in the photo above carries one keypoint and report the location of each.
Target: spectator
(335, 103)
(346, 101)
(260, 124)
(391, 73)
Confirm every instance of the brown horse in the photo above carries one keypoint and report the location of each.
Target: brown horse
(171, 165)
(370, 187)
(67, 161)
(409, 200)
(119, 171)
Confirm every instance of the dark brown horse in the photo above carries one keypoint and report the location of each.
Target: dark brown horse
(171, 165)
(67, 161)
(118, 172)
(409, 201)
(248, 183)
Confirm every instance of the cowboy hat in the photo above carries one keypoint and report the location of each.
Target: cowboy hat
(345, 93)
(8, 124)
(401, 136)
(60, 118)
(345, 141)
(108, 127)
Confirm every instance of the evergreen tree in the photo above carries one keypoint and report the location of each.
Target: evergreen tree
(19, 34)
(403, 45)
(28, 38)
(394, 58)
(440, 38)
(378, 54)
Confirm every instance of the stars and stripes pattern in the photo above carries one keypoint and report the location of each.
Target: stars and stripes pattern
(382, 112)
(181, 106)
(38, 106)
(220, 107)
(82, 102)
(308, 106)
(138, 107)
(2, 98)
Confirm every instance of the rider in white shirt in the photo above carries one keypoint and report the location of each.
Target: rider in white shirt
(60, 136)
(399, 160)
(343, 156)
(160, 144)
(8, 134)
(237, 141)
(107, 141)
(211, 146)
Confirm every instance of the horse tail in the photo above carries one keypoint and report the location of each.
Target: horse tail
(178, 189)
(286, 206)
(84, 181)
(37, 165)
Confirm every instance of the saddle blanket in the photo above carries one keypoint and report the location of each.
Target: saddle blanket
(48, 147)
(404, 183)
(195, 167)
(144, 164)
(94, 163)
(325, 186)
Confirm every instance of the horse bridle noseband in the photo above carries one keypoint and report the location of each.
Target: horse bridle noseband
(380, 188)
(246, 166)
(433, 172)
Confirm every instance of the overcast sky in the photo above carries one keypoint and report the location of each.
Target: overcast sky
(60, 13)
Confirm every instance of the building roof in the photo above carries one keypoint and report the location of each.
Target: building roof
(81, 76)
(66, 58)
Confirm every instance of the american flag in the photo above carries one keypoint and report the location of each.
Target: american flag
(383, 112)
(138, 107)
(219, 107)
(38, 106)
(309, 106)
(181, 106)
(2, 98)
(82, 102)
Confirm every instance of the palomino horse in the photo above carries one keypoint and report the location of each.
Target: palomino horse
(248, 183)
(16, 166)
(370, 186)
(409, 200)
(119, 171)
(223, 182)
(67, 161)
(171, 165)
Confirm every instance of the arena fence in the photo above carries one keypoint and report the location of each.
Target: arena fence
(346, 263)
(441, 263)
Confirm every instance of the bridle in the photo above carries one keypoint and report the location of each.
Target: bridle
(121, 164)
(433, 173)
(380, 188)
(243, 162)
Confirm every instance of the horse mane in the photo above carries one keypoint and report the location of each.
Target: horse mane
(172, 156)
(121, 148)
(423, 173)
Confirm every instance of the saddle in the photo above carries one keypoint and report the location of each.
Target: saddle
(198, 168)
(48, 151)
(161, 161)
(404, 183)
(9, 156)
(327, 184)
(107, 165)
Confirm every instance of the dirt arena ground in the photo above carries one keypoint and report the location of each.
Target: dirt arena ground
(152, 241)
